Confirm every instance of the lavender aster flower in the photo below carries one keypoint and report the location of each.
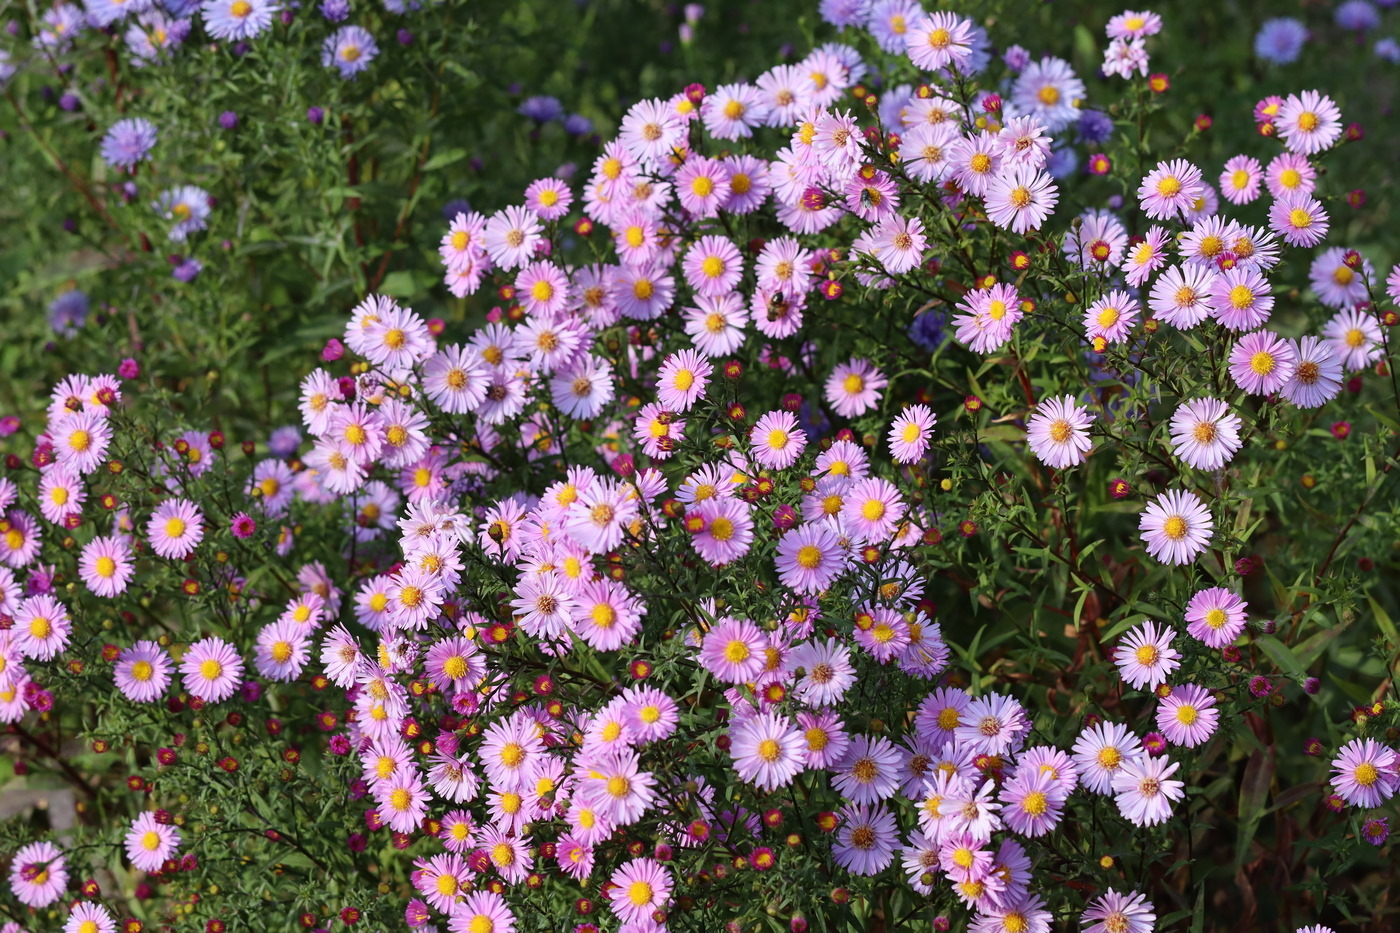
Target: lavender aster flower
(128, 142)
(1358, 15)
(1280, 40)
(188, 206)
(68, 312)
(335, 11)
(541, 109)
(350, 49)
(238, 19)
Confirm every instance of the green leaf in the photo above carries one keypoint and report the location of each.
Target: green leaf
(443, 159)
(1281, 655)
(1254, 788)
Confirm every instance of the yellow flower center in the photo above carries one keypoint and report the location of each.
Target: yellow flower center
(1036, 803)
(142, 671)
(1049, 95)
(1175, 528)
(211, 669)
(736, 652)
(809, 556)
(1169, 187)
(639, 893)
(1186, 714)
(1262, 363)
(105, 567)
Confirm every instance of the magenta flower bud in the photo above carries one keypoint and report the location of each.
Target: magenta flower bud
(333, 351)
(129, 368)
(624, 466)
(784, 517)
(347, 387)
(9, 425)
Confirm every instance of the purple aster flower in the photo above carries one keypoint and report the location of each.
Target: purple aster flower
(541, 109)
(128, 142)
(335, 11)
(1280, 40)
(237, 19)
(68, 312)
(350, 49)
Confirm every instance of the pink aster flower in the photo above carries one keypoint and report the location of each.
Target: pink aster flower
(142, 672)
(1239, 182)
(480, 910)
(1131, 24)
(510, 237)
(650, 130)
(1032, 802)
(713, 266)
(149, 843)
(810, 558)
(703, 186)
(1300, 219)
(1205, 433)
(1309, 122)
(1021, 198)
(81, 440)
(733, 111)
(87, 917)
(639, 889)
(734, 651)
(1181, 295)
(212, 670)
(1365, 773)
(1355, 338)
(910, 432)
(1111, 317)
(61, 492)
(939, 40)
(1290, 173)
(898, 243)
(1215, 617)
(1146, 656)
(976, 161)
(1241, 299)
(1112, 912)
(43, 627)
(1176, 527)
(282, 650)
(1146, 257)
(614, 785)
(987, 317)
(682, 379)
(1170, 189)
(38, 874)
(768, 751)
(1100, 752)
(853, 388)
(776, 440)
(542, 288)
(992, 724)
(548, 198)
(1058, 432)
(175, 528)
(727, 531)
(1261, 363)
(1187, 715)
(1317, 374)
(866, 837)
(1144, 792)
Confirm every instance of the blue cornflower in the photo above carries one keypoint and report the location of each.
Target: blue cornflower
(350, 49)
(1388, 49)
(128, 142)
(335, 11)
(1280, 40)
(576, 124)
(1358, 15)
(1094, 127)
(928, 331)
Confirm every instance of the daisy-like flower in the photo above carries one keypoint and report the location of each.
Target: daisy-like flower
(1032, 802)
(281, 651)
(142, 672)
(1338, 284)
(212, 670)
(872, 509)
(1176, 527)
(713, 266)
(810, 558)
(1020, 199)
(38, 874)
(1170, 189)
(865, 839)
(1112, 912)
(188, 205)
(925, 150)
(584, 388)
(1215, 617)
(61, 493)
(1300, 219)
(149, 842)
(776, 440)
(1309, 122)
(1111, 317)
(853, 388)
(987, 317)
(826, 672)
(1100, 752)
(1144, 792)
(1058, 432)
(1317, 374)
(727, 533)
(1289, 173)
(976, 161)
(456, 379)
(175, 528)
(1261, 363)
(548, 198)
(543, 289)
(105, 565)
(768, 751)
(1123, 57)
(128, 142)
(1146, 257)
(1146, 656)
(511, 236)
(1365, 773)
(1048, 90)
(650, 130)
(734, 651)
(614, 786)
(1205, 433)
(1239, 182)
(910, 432)
(733, 111)
(992, 725)
(1131, 24)
(1187, 715)
(237, 19)
(81, 441)
(787, 94)
(349, 50)
(1240, 298)
(89, 918)
(42, 626)
(898, 243)
(682, 380)
(637, 890)
(403, 801)
(1355, 338)
(703, 186)
(939, 40)
(716, 325)
(1181, 295)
